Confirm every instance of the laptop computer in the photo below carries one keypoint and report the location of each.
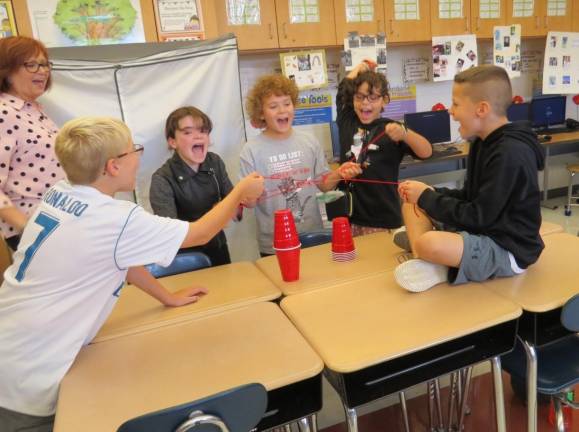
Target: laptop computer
(432, 125)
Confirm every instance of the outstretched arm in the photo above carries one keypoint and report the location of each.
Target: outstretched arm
(142, 279)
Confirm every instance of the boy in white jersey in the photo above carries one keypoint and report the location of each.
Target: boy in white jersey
(76, 252)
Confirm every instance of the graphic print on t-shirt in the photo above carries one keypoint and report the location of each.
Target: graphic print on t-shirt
(285, 167)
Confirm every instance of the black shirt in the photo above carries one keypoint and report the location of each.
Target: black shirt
(374, 205)
(500, 197)
(178, 192)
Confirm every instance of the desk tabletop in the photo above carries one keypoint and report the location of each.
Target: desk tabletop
(363, 323)
(550, 282)
(564, 137)
(229, 286)
(375, 253)
(122, 378)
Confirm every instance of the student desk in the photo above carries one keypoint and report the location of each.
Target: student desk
(229, 286)
(541, 291)
(375, 253)
(376, 339)
(119, 379)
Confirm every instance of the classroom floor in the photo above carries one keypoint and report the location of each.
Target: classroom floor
(482, 418)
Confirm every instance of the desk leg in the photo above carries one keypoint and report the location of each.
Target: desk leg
(499, 395)
(546, 179)
(451, 398)
(402, 398)
(304, 424)
(352, 419)
(438, 403)
(287, 428)
(559, 415)
(464, 397)
(314, 422)
(531, 387)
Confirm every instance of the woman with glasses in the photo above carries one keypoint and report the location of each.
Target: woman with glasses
(378, 144)
(28, 165)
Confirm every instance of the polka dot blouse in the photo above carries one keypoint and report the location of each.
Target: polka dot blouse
(28, 165)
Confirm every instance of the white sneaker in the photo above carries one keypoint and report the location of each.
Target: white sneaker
(400, 239)
(417, 275)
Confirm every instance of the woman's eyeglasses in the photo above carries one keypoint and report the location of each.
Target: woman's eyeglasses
(138, 148)
(34, 67)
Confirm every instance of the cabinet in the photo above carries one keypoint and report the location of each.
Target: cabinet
(407, 30)
(270, 25)
(487, 14)
(449, 17)
(540, 16)
(300, 34)
(255, 29)
(373, 26)
(575, 14)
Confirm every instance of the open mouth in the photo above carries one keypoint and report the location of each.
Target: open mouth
(282, 122)
(198, 150)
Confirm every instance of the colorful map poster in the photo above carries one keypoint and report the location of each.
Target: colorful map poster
(306, 68)
(60, 23)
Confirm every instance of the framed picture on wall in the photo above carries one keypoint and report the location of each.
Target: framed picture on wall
(307, 68)
(7, 23)
(179, 19)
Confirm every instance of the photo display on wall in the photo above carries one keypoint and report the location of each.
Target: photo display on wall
(306, 68)
(507, 49)
(179, 19)
(452, 55)
(360, 47)
(561, 64)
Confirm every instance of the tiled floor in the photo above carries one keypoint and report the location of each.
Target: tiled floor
(378, 418)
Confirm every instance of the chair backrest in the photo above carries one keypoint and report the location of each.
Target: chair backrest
(335, 136)
(236, 410)
(570, 314)
(183, 263)
(314, 238)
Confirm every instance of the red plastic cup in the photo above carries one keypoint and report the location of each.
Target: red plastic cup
(289, 262)
(285, 234)
(342, 240)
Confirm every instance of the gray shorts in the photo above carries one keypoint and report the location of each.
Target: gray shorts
(12, 421)
(482, 259)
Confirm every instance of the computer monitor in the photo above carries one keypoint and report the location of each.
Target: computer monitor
(432, 125)
(518, 112)
(548, 111)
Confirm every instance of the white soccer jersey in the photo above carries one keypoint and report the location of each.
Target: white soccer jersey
(66, 277)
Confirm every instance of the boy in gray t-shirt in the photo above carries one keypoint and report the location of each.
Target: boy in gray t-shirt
(291, 161)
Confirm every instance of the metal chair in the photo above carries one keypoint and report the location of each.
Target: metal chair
(236, 410)
(557, 362)
(182, 263)
(573, 169)
(315, 238)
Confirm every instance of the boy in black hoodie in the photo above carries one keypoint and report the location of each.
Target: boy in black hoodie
(496, 215)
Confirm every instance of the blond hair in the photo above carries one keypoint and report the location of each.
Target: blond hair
(488, 83)
(265, 87)
(84, 145)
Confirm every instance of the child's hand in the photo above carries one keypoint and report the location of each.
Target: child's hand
(411, 190)
(370, 63)
(395, 131)
(349, 170)
(186, 296)
(251, 187)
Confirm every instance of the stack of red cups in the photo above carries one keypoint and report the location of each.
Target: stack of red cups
(286, 244)
(343, 248)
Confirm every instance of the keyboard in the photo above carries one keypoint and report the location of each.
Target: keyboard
(443, 150)
(551, 131)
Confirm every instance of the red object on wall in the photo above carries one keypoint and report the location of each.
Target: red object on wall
(518, 99)
(576, 99)
(438, 107)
